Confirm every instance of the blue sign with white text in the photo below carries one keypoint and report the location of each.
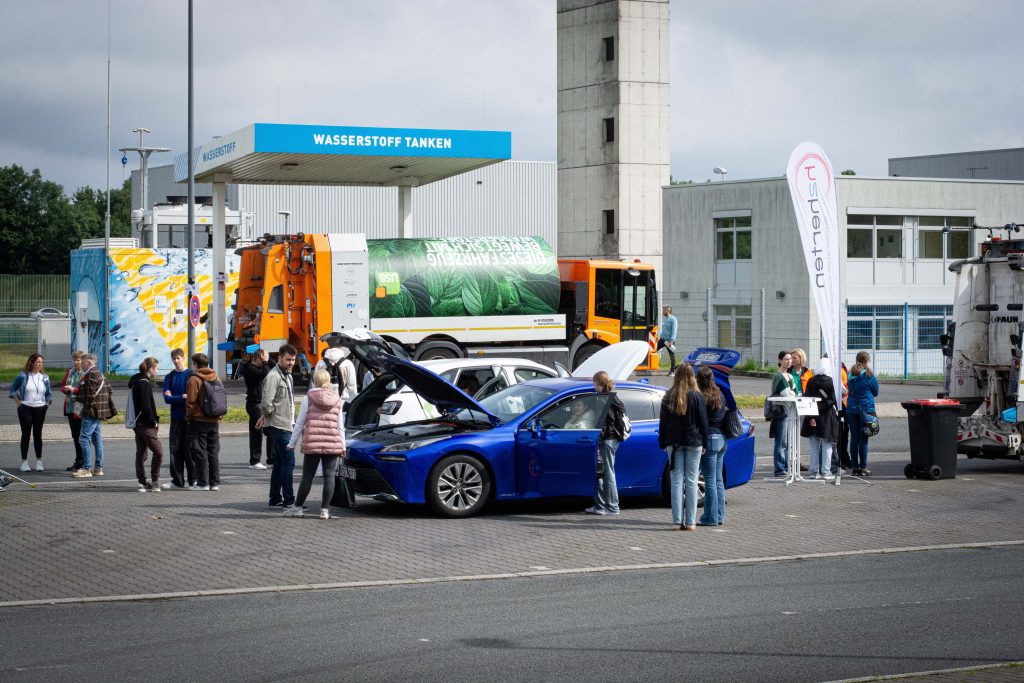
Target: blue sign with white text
(399, 142)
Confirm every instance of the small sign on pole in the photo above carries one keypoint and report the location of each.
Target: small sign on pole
(194, 311)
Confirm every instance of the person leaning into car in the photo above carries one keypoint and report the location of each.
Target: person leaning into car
(606, 493)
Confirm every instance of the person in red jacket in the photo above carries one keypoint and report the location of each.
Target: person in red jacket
(322, 432)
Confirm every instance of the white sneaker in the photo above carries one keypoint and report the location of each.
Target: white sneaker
(215, 488)
(166, 485)
(830, 477)
(143, 488)
(817, 475)
(594, 510)
(258, 466)
(39, 465)
(324, 513)
(201, 488)
(293, 511)
(25, 467)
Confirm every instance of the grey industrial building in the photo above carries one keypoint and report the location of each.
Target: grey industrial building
(993, 164)
(737, 276)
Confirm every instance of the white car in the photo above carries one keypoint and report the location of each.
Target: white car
(47, 313)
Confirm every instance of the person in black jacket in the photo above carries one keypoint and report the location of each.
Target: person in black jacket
(147, 432)
(683, 433)
(606, 494)
(824, 429)
(254, 371)
(711, 462)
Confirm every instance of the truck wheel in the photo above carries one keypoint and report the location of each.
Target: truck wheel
(934, 472)
(458, 486)
(584, 353)
(908, 471)
(438, 351)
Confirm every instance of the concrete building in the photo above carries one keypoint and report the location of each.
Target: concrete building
(993, 164)
(509, 198)
(613, 127)
(739, 279)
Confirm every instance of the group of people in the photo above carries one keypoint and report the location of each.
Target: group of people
(838, 434)
(690, 424)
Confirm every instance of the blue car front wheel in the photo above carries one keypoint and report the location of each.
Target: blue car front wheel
(458, 486)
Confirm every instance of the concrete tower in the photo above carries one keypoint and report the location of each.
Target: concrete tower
(613, 127)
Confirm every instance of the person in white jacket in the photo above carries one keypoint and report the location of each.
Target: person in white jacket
(339, 366)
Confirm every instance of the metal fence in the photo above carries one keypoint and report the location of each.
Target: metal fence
(22, 294)
(903, 339)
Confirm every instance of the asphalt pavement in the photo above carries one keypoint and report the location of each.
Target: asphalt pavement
(813, 620)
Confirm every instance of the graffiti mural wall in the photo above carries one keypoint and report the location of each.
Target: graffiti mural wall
(148, 315)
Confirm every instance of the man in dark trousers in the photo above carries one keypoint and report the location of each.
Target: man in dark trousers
(180, 459)
(203, 430)
(254, 371)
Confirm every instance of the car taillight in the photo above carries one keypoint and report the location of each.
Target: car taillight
(390, 407)
(750, 432)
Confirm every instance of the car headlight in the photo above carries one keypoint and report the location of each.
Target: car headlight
(413, 445)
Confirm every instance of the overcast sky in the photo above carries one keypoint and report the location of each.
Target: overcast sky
(867, 79)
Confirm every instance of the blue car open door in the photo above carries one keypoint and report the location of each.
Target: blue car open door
(556, 449)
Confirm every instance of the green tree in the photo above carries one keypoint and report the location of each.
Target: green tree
(95, 202)
(848, 171)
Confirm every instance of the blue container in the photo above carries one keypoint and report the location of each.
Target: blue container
(1010, 415)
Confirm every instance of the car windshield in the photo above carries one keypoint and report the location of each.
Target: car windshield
(509, 403)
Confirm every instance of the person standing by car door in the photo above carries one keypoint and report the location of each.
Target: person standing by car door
(683, 433)
(254, 371)
(606, 494)
(277, 418)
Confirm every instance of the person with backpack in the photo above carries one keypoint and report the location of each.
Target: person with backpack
(96, 397)
(205, 404)
(683, 433)
(339, 367)
(180, 461)
(613, 432)
(145, 423)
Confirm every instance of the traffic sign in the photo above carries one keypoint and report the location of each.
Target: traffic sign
(194, 311)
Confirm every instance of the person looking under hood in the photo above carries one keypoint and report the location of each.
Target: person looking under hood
(339, 368)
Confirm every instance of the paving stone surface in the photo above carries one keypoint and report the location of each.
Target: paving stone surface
(100, 537)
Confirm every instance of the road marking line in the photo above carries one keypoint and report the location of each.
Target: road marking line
(108, 552)
(917, 674)
(505, 575)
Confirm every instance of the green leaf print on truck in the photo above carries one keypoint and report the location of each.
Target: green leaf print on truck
(462, 276)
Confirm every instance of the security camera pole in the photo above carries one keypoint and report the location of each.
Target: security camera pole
(191, 239)
(144, 153)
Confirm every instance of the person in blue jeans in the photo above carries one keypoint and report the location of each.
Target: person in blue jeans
(277, 419)
(863, 388)
(94, 396)
(779, 429)
(606, 492)
(711, 461)
(683, 433)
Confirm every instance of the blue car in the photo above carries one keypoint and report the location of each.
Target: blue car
(534, 439)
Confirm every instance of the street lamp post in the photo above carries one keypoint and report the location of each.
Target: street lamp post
(144, 153)
(720, 171)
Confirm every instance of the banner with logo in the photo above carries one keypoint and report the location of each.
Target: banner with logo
(812, 186)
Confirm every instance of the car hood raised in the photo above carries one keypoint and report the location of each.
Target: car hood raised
(431, 386)
(618, 360)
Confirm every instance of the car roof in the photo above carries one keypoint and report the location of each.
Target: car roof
(443, 364)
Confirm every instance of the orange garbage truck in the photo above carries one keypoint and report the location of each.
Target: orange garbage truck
(450, 297)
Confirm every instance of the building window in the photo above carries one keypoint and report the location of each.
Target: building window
(733, 239)
(879, 328)
(609, 130)
(609, 49)
(943, 237)
(609, 221)
(872, 239)
(932, 322)
(734, 327)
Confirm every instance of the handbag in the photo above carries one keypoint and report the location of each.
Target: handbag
(871, 426)
(344, 495)
(731, 426)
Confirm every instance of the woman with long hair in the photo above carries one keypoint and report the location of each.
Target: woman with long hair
(860, 402)
(711, 460)
(606, 494)
(31, 392)
(321, 428)
(683, 433)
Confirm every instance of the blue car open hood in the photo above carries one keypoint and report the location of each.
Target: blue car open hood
(431, 386)
(721, 362)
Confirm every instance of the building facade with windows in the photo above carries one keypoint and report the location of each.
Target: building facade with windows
(736, 276)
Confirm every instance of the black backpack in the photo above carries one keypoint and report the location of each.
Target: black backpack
(215, 399)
